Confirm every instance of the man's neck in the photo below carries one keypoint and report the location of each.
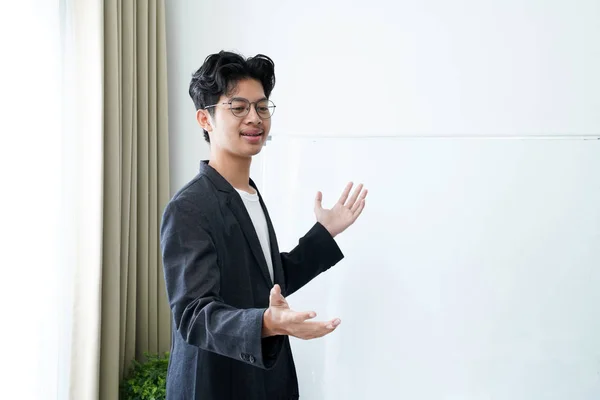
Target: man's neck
(235, 170)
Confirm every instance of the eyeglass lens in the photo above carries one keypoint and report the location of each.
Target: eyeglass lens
(241, 108)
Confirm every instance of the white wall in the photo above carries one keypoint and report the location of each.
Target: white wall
(509, 317)
(373, 68)
(472, 273)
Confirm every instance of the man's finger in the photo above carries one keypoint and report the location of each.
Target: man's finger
(359, 209)
(303, 316)
(317, 329)
(333, 324)
(356, 204)
(345, 193)
(355, 194)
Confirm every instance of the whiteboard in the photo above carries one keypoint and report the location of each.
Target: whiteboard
(473, 273)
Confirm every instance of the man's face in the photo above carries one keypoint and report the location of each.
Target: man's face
(234, 133)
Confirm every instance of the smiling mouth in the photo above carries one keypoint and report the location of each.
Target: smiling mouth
(252, 134)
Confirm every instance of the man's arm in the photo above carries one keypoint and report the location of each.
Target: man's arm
(192, 279)
(315, 253)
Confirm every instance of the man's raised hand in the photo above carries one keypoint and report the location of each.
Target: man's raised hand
(344, 212)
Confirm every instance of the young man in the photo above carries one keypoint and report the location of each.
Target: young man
(226, 278)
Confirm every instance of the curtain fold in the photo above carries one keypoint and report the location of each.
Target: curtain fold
(135, 312)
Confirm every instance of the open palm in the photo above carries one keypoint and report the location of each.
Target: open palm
(279, 319)
(344, 212)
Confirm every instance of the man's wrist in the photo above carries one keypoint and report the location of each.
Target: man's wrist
(268, 328)
(329, 229)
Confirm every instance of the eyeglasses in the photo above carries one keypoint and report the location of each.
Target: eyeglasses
(241, 107)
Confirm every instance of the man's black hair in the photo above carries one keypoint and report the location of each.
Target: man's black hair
(220, 73)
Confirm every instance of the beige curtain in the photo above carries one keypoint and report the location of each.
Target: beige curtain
(135, 312)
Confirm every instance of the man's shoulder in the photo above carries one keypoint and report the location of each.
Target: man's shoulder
(199, 195)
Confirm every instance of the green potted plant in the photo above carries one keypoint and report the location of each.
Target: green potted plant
(146, 380)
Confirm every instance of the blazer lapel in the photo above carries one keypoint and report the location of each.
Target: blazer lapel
(239, 210)
(275, 255)
(237, 207)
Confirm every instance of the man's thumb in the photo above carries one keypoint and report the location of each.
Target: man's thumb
(275, 290)
(318, 201)
(275, 298)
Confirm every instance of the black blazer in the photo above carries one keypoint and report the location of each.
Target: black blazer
(218, 288)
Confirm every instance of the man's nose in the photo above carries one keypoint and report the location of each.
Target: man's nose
(253, 115)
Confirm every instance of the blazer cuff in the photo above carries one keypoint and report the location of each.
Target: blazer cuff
(256, 350)
(322, 242)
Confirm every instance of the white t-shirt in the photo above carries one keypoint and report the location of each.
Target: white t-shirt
(252, 203)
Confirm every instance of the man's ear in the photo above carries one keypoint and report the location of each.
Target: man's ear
(203, 119)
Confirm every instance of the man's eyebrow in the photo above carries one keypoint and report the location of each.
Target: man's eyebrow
(243, 98)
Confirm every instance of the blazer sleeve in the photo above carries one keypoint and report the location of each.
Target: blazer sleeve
(315, 253)
(192, 278)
